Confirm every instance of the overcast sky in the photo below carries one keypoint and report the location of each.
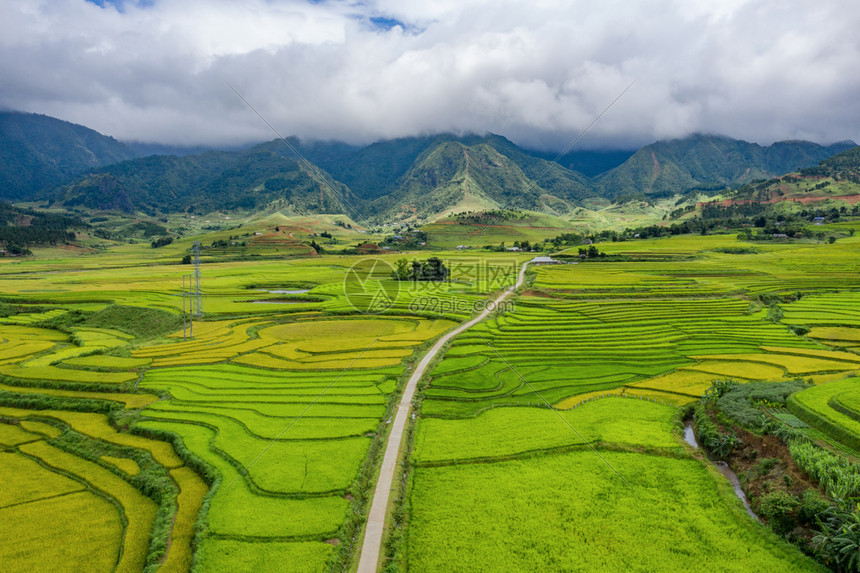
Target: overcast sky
(536, 71)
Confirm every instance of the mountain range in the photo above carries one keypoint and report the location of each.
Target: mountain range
(47, 159)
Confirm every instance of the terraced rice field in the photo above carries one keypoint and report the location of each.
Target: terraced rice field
(832, 408)
(253, 445)
(551, 349)
(616, 508)
(289, 439)
(524, 439)
(105, 522)
(259, 429)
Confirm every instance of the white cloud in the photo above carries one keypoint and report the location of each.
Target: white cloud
(537, 72)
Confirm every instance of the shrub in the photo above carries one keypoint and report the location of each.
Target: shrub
(813, 506)
(720, 443)
(765, 465)
(780, 508)
(742, 402)
(717, 389)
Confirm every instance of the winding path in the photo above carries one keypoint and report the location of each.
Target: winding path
(368, 563)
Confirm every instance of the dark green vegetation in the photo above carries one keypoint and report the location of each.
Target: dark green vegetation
(38, 152)
(833, 178)
(709, 163)
(21, 228)
(417, 178)
(800, 484)
(845, 165)
(251, 179)
(590, 163)
(139, 321)
(433, 269)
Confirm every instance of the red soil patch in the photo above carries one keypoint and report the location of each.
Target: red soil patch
(530, 292)
(369, 249)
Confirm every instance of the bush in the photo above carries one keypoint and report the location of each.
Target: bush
(743, 402)
(780, 508)
(765, 465)
(717, 389)
(712, 439)
(813, 506)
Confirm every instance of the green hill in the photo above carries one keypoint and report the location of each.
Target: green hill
(844, 166)
(267, 175)
(486, 175)
(38, 153)
(413, 178)
(384, 167)
(836, 178)
(708, 163)
(372, 171)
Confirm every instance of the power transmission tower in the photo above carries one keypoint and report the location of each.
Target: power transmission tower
(197, 294)
(184, 335)
(187, 327)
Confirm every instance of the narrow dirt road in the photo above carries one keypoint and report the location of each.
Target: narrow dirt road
(369, 559)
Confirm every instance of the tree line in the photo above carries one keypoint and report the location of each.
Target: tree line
(22, 228)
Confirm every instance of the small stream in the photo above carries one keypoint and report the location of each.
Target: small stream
(690, 438)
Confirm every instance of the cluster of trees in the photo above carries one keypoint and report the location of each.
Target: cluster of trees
(681, 211)
(521, 245)
(566, 239)
(590, 253)
(223, 244)
(527, 246)
(16, 250)
(488, 217)
(162, 242)
(22, 228)
(776, 233)
(573, 239)
(633, 197)
(433, 269)
(407, 240)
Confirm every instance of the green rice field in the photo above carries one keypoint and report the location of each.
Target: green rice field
(544, 438)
